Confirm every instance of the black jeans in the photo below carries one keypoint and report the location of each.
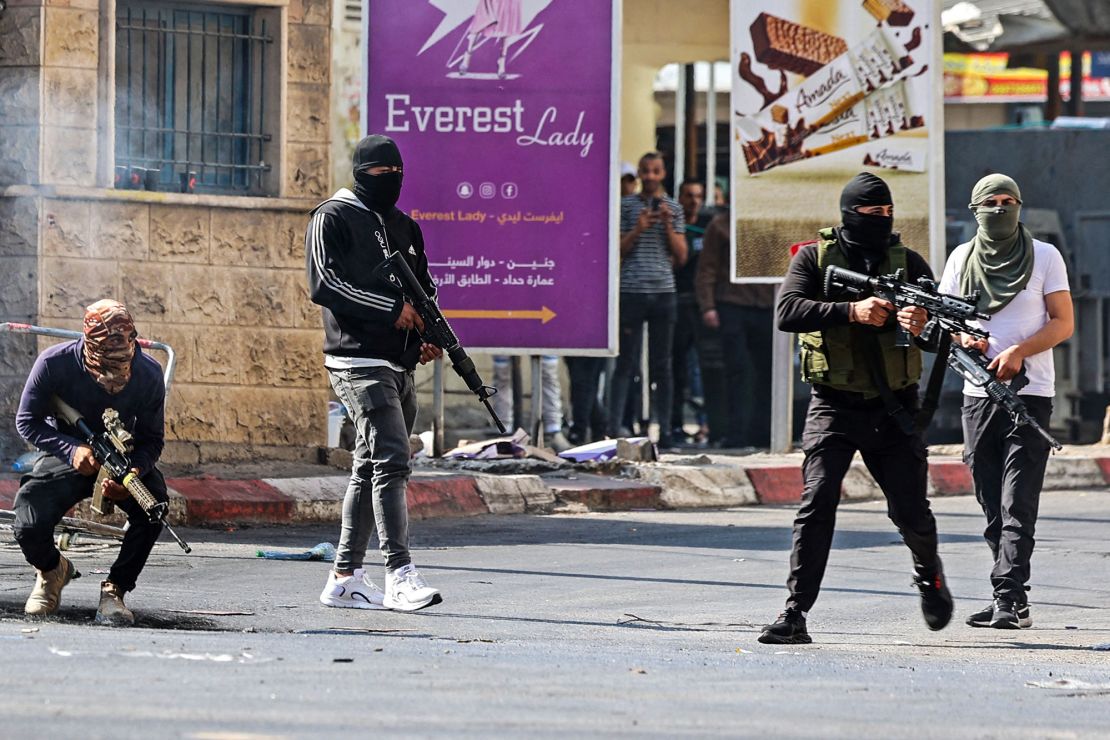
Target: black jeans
(51, 489)
(1007, 465)
(837, 425)
(658, 310)
(588, 419)
(746, 337)
(686, 332)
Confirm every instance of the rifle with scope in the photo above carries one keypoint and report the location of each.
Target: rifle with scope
(948, 314)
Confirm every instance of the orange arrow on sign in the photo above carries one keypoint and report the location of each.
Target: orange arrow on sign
(545, 314)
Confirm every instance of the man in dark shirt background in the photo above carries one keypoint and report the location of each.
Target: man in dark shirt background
(691, 196)
(105, 369)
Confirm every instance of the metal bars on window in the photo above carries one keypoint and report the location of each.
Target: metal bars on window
(190, 97)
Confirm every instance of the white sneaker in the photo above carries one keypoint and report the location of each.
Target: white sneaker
(406, 591)
(351, 592)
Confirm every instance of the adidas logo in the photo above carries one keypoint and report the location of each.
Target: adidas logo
(412, 250)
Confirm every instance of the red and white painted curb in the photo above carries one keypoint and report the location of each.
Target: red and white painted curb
(209, 501)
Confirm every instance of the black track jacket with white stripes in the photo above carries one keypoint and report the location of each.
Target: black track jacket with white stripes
(345, 241)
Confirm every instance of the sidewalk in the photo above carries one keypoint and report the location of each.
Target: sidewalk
(315, 493)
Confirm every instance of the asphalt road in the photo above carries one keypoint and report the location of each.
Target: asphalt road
(637, 624)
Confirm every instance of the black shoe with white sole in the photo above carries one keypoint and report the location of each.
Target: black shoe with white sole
(985, 616)
(982, 618)
(1005, 614)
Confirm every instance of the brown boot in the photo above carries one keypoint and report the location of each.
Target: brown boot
(47, 593)
(112, 611)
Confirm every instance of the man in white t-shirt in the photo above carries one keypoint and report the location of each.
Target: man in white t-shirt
(1024, 288)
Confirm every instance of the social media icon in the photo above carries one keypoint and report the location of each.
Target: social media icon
(487, 190)
(509, 190)
(465, 190)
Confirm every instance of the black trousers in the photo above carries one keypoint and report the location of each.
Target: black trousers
(1007, 465)
(658, 311)
(51, 489)
(746, 338)
(686, 331)
(588, 417)
(837, 425)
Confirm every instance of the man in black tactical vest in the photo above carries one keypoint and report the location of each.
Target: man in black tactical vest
(864, 398)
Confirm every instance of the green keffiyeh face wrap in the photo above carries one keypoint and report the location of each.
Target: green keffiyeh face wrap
(1001, 258)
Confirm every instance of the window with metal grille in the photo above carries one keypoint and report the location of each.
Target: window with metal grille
(190, 92)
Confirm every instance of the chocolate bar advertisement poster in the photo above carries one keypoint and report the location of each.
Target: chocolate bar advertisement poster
(505, 112)
(823, 90)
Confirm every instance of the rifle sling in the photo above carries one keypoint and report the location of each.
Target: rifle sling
(878, 376)
(936, 379)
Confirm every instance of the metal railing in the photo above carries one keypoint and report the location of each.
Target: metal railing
(10, 327)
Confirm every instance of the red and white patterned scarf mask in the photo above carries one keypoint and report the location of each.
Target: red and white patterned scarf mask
(109, 344)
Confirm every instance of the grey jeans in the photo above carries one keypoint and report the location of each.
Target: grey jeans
(382, 405)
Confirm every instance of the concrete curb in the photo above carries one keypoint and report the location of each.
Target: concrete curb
(718, 482)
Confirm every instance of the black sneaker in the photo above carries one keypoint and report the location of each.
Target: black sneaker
(1009, 614)
(790, 629)
(982, 618)
(936, 601)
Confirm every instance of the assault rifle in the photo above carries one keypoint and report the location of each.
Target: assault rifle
(970, 364)
(112, 449)
(948, 314)
(437, 331)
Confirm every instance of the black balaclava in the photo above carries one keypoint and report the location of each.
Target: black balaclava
(379, 193)
(865, 238)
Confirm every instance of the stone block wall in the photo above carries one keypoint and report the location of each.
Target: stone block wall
(223, 286)
(308, 119)
(220, 279)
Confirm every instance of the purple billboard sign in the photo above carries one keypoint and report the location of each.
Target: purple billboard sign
(504, 111)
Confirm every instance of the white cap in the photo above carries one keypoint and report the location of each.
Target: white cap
(627, 169)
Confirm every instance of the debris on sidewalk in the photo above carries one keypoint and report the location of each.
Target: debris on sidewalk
(323, 551)
(517, 445)
(638, 449)
(211, 612)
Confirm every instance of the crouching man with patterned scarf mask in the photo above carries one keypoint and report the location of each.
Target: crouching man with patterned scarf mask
(104, 369)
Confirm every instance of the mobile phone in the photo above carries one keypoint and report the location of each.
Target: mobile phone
(654, 203)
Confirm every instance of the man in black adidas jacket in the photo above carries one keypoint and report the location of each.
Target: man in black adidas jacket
(370, 351)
